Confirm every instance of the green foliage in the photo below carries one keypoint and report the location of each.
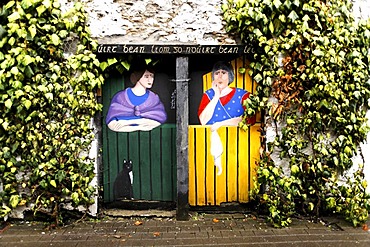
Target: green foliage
(47, 101)
(351, 199)
(279, 199)
(313, 59)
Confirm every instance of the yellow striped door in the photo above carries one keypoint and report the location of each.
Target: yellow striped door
(241, 151)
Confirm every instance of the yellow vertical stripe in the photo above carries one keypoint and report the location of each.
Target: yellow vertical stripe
(243, 166)
(207, 81)
(192, 186)
(221, 179)
(232, 168)
(210, 171)
(200, 165)
(255, 145)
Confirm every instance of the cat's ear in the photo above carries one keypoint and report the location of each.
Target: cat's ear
(124, 161)
(130, 162)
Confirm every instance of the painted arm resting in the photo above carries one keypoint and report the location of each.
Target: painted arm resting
(130, 125)
(228, 122)
(206, 113)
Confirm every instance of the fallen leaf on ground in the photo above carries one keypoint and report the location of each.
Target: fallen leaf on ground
(365, 227)
(215, 220)
(156, 234)
(138, 223)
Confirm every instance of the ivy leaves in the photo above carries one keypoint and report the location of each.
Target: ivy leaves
(47, 100)
(312, 70)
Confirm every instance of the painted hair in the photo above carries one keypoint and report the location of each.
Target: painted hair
(138, 69)
(224, 66)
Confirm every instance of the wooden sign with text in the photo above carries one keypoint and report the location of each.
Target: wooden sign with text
(175, 49)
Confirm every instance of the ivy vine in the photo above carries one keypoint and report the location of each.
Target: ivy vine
(48, 78)
(313, 76)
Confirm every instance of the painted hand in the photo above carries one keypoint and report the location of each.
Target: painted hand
(216, 88)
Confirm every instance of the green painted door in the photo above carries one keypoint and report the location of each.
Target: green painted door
(152, 153)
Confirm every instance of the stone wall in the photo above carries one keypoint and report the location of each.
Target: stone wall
(361, 9)
(166, 21)
(157, 21)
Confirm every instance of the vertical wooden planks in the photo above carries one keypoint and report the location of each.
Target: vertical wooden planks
(111, 162)
(192, 167)
(205, 187)
(168, 163)
(156, 152)
(232, 164)
(243, 153)
(221, 182)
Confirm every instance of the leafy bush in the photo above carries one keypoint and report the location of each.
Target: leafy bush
(312, 59)
(49, 74)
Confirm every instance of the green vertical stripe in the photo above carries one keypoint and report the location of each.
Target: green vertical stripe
(168, 162)
(133, 148)
(155, 161)
(144, 163)
(110, 157)
(174, 162)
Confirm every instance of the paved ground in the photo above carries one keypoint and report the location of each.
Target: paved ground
(201, 230)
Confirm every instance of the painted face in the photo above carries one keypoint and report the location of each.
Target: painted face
(221, 77)
(147, 79)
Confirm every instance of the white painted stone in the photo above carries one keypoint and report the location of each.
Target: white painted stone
(361, 9)
(138, 7)
(129, 18)
(93, 154)
(163, 17)
(165, 5)
(151, 22)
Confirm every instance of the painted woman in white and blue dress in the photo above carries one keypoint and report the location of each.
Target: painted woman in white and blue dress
(222, 105)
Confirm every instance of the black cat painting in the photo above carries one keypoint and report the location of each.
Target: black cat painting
(122, 188)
